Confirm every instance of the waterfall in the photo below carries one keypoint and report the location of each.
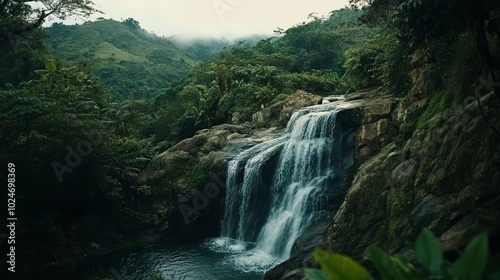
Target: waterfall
(245, 199)
(278, 188)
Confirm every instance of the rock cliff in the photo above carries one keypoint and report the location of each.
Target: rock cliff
(444, 177)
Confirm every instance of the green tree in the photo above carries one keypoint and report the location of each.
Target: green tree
(18, 17)
(79, 149)
(132, 24)
(315, 46)
(419, 23)
(21, 40)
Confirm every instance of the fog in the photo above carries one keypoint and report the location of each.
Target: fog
(213, 18)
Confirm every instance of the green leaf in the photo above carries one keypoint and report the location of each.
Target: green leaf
(384, 264)
(338, 267)
(428, 251)
(406, 268)
(315, 274)
(50, 66)
(472, 262)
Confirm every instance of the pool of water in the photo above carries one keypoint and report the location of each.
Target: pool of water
(212, 259)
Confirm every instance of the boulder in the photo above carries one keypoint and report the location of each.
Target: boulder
(371, 113)
(373, 136)
(289, 268)
(461, 232)
(295, 274)
(282, 111)
(427, 211)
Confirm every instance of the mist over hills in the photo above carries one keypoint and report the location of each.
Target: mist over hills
(205, 47)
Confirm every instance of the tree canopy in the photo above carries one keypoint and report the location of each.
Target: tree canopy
(419, 22)
(21, 40)
(18, 16)
(132, 23)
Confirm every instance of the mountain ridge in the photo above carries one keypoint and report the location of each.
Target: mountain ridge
(129, 60)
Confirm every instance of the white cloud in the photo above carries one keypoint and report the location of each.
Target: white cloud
(216, 17)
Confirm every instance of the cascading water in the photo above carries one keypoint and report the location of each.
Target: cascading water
(246, 202)
(280, 187)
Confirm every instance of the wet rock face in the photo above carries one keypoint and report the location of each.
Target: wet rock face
(375, 117)
(445, 178)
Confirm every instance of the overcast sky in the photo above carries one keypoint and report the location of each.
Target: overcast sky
(216, 17)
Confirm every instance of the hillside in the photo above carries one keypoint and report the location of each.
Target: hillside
(130, 61)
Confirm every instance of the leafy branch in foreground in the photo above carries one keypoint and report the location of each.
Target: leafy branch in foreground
(474, 263)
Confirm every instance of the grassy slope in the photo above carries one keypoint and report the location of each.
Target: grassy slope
(130, 62)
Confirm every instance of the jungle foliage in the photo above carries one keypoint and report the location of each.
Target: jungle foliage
(80, 126)
(243, 79)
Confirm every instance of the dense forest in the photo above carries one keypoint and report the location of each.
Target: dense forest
(81, 125)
